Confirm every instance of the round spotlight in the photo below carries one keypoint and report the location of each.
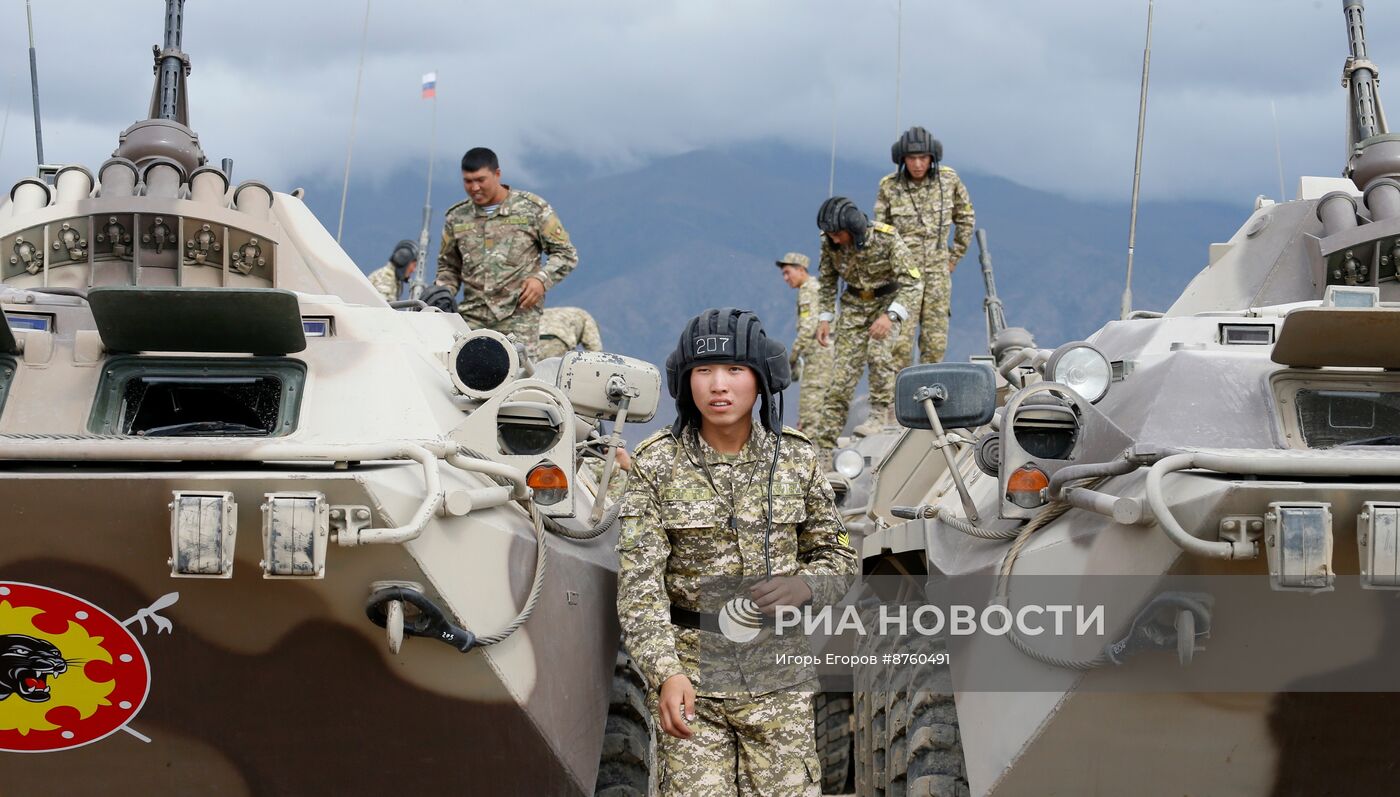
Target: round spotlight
(848, 462)
(1082, 368)
(482, 362)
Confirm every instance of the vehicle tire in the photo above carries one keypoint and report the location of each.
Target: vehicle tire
(907, 738)
(832, 713)
(629, 742)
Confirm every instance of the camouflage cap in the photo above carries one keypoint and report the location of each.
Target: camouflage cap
(794, 259)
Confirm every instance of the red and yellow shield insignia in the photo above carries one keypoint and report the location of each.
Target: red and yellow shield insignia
(70, 673)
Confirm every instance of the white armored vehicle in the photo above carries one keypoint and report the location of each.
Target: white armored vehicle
(1224, 473)
(261, 533)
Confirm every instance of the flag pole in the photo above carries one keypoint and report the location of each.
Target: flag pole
(419, 281)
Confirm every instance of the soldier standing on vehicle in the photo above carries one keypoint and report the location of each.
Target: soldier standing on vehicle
(882, 283)
(719, 509)
(390, 279)
(492, 245)
(563, 329)
(921, 200)
(811, 363)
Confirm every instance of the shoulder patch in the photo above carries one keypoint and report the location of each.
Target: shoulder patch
(947, 170)
(656, 437)
(466, 201)
(533, 199)
(889, 178)
(880, 226)
(791, 432)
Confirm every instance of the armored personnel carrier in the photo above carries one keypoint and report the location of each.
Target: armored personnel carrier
(263, 533)
(1226, 469)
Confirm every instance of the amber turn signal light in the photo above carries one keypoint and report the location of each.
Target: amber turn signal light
(548, 482)
(1028, 487)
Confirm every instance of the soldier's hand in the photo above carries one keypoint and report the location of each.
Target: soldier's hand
(881, 328)
(624, 459)
(780, 591)
(824, 333)
(532, 293)
(677, 706)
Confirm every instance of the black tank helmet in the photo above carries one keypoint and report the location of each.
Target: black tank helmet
(839, 213)
(405, 252)
(727, 335)
(916, 141)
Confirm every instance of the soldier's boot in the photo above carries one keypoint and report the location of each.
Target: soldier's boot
(874, 422)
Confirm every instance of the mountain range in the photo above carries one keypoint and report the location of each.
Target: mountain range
(662, 241)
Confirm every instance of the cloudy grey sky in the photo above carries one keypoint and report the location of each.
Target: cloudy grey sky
(1039, 91)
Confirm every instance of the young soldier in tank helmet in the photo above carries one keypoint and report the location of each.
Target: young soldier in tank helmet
(882, 284)
(723, 512)
(921, 200)
(811, 362)
(505, 248)
(390, 279)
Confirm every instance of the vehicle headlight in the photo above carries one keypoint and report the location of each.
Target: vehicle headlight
(1082, 368)
(848, 462)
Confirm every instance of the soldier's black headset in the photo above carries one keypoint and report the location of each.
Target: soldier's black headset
(731, 335)
(839, 213)
(916, 141)
(405, 252)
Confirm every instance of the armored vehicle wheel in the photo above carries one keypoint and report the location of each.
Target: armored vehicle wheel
(834, 738)
(629, 745)
(907, 738)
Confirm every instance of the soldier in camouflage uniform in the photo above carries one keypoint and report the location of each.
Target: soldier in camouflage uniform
(811, 362)
(882, 284)
(564, 329)
(390, 279)
(492, 243)
(696, 532)
(921, 200)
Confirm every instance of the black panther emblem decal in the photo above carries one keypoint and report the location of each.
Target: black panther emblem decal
(26, 666)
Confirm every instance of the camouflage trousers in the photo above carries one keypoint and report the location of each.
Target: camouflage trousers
(761, 746)
(523, 325)
(551, 346)
(932, 315)
(816, 375)
(854, 350)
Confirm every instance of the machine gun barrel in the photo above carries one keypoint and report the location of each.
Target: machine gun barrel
(991, 303)
(1360, 76)
(171, 63)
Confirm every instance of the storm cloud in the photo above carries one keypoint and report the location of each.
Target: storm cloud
(1043, 93)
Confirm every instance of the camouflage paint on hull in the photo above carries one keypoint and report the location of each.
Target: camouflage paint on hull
(284, 687)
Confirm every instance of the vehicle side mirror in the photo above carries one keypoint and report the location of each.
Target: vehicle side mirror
(964, 394)
(596, 381)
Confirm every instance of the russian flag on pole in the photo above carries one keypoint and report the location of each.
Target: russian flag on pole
(430, 85)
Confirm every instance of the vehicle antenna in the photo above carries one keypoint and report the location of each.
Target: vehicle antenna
(419, 282)
(9, 101)
(1278, 153)
(1137, 164)
(831, 181)
(34, 85)
(354, 114)
(898, 60)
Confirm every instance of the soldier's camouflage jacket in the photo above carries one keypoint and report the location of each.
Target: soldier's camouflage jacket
(386, 282)
(693, 523)
(491, 256)
(808, 308)
(571, 326)
(923, 211)
(883, 260)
